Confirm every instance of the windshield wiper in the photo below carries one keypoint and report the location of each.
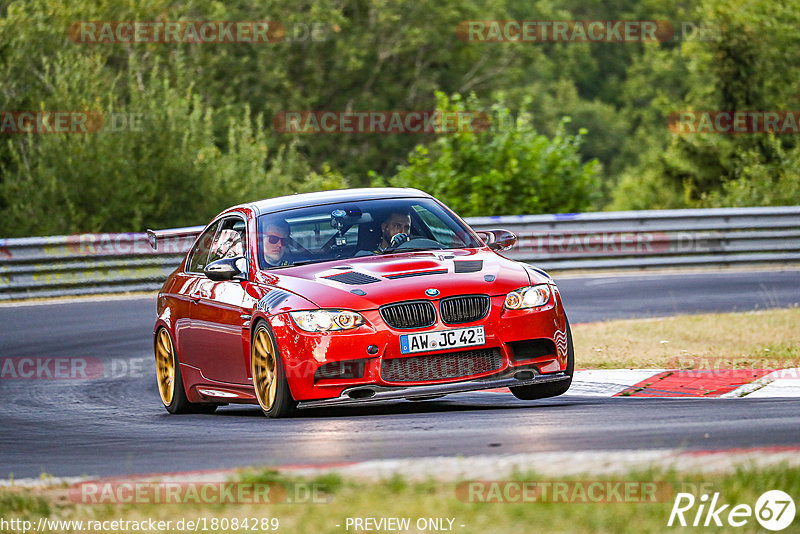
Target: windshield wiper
(407, 249)
(298, 263)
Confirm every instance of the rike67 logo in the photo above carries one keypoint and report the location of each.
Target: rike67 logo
(774, 510)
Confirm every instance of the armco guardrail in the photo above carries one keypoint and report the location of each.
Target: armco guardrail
(658, 238)
(84, 264)
(112, 263)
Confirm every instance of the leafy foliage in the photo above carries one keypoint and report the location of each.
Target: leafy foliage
(742, 64)
(509, 169)
(206, 141)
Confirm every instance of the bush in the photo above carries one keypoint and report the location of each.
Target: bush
(172, 169)
(508, 169)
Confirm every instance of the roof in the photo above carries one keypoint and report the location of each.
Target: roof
(271, 205)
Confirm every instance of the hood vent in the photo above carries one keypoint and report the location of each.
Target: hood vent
(415, 273)
(352, 278)
(471, 266)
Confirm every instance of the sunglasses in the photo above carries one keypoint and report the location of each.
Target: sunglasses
(275, 239)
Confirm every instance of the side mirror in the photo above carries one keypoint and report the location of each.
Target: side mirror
(498, 239)
(227, 269)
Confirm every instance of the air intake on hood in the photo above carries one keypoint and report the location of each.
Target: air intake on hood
(352, 278)
(415, 273)
(471, 266)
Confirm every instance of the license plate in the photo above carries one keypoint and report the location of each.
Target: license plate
(442, 339)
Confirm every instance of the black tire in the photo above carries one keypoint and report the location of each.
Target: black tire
(550, 389)
(176, 403)
(280, 403)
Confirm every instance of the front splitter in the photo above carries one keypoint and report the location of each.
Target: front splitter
(353, 395)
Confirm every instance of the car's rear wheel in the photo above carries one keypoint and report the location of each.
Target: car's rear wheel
(551, 389)
(169, 379)
(269, 377)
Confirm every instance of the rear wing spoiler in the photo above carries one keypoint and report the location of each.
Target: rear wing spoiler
(154, 236)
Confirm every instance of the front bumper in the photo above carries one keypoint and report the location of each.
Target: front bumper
(303, 353)
(366, 394)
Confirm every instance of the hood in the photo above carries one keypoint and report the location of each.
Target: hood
(372, 281)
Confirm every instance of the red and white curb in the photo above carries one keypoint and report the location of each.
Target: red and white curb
(778, 383)
(713, 383)
(609, 382)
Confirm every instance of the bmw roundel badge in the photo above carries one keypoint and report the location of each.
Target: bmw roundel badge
(431, 292)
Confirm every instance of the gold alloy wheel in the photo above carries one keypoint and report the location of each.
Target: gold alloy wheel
(165, 366)
(263, 358)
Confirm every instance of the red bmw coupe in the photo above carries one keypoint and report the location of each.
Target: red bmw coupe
(353, 296)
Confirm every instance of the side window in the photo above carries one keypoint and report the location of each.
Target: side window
(199, 256)
(230, 240)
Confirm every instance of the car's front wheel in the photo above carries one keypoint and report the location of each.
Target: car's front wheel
(269, 377)
(169, 379)
(551, 389)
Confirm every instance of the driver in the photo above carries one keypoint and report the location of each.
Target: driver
(276, 235)
(395, 229)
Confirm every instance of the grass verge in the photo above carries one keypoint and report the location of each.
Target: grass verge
(761, 339)
(571, 511)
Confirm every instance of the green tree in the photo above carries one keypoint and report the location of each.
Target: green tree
(187, 157)
(167, 168)
(743, 65)
(508, 169)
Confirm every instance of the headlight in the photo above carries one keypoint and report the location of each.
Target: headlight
(528, 297)
(326, 320)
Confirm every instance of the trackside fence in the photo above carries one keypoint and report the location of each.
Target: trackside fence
(84, 264)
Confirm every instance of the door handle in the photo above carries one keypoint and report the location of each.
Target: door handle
(195, 297)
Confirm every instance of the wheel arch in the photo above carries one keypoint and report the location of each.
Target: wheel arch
(265, 319)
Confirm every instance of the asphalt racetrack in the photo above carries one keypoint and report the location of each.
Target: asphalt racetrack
(116, 424)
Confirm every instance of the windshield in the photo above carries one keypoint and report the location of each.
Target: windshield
(356, 229)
